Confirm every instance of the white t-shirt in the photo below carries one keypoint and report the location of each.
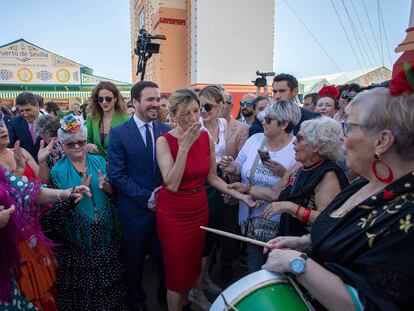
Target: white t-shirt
(221, 144)
(263, 177)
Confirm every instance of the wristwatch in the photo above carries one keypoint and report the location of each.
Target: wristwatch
(298, 264)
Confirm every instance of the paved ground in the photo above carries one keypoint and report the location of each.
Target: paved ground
(151, 276)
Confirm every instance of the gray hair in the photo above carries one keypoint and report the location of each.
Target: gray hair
(325, 134)
(284, 111)
(41, 123)
(382, 111)
(63, 136)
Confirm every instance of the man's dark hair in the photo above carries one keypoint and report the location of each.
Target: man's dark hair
(291, 80)
(136, 90)
(257, 99)
(40, 101)
(52, 107)
(351, 87)
(26, 98)
(313, 97)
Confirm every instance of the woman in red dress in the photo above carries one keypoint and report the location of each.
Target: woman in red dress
(186, 159)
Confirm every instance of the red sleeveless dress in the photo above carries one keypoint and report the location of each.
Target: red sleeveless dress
(180, 215)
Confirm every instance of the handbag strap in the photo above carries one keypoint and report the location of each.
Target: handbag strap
(254, 166)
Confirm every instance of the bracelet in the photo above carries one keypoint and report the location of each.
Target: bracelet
(71, 193)
(58, 195)
(297, 211)
(306, 216)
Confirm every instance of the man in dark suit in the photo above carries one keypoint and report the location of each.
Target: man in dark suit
(23, 126)
(286, 87)
(135, 174)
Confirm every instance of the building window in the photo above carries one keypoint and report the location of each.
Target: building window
(141, 19)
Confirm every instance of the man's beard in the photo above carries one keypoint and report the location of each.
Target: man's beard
(246, 113)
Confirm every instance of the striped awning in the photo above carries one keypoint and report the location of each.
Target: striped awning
(54, 94)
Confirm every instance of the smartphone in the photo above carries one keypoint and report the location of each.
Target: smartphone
(264, 155)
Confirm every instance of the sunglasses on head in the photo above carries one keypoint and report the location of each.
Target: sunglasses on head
(246, 103)
(108, 99)
(207, 107)
(72, 145)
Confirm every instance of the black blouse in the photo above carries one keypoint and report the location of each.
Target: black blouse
(371, 248)
(300, 189)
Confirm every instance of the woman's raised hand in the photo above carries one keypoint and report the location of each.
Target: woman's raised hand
(18, 156)
(44, 152)
(189, 137)
(76, 194)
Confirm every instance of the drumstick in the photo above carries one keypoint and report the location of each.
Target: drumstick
(237, 237)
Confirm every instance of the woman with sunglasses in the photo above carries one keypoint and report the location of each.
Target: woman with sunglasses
(90, 274)
(108, 109)
(361, 246)
(262, 161)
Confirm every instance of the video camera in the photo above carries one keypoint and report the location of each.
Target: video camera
(262, 81)
(145, 48)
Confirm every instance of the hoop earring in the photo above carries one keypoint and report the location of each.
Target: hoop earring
(384, 179)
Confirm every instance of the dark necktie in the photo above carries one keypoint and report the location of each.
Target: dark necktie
(148, 138)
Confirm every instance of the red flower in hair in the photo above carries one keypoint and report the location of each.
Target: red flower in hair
(400, 85)
(329, 90)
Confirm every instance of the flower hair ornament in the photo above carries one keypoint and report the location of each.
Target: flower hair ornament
(329, 90)
(403, 82)
(69, 124)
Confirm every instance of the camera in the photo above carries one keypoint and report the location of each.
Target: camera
(261, 81)
(145, 48)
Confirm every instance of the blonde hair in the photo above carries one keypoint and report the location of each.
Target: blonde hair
(382, 111)
(213, 94)
(181, 97)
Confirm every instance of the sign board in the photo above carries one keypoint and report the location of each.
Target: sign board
(25, 63)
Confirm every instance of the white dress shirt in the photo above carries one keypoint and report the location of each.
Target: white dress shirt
(141, 127)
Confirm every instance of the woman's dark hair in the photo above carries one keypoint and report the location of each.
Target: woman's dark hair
(96, 109)
(52, 107)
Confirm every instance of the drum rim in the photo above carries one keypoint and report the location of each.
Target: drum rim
(233, 295)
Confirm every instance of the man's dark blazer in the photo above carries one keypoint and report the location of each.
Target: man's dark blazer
(131, 172)
(305, 115)
(256, 127)
(7, 120)
(19, 130)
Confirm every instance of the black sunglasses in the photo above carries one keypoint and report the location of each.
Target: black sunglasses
(268, 119)
(108, 99)
(207, 107)
(72, 145)
(246, 103)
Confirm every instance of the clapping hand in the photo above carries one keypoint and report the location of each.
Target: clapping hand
(189, 137)
(18, 156)
(275, 167)
(102, 180)
(86, 180)
(44, 152)
(5, 215)
(77, 192)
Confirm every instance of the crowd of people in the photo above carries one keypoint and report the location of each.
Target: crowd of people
(86, 197)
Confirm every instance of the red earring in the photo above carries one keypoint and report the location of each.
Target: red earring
(384, 179)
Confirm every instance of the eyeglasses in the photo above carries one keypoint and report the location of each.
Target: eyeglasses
(108, 99)
(346, 125)
(268, 119)
(72, 145)
(246, 103)
(207, 106)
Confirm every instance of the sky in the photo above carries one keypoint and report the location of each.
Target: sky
(96, 33)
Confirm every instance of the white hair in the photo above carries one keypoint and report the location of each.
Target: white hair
(284, 111)
(63, 136)
(325, 134)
